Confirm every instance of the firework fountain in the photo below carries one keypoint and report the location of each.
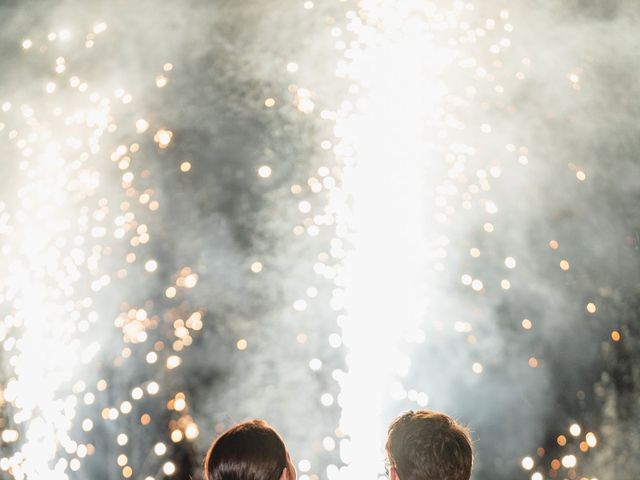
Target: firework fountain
(323, 214)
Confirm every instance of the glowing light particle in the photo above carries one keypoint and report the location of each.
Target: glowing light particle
(192, 431)
(269, 102)
(527, 324)
(477, 368)
(160, 449)
(569, 461)
(304, 465)
(173, 361)
(99, 28)
(163, 138)
(169, 468)
(510, 262)
(141, 125)
(241, 344)
(326, 399)
(161, 81)
(153, 388)
(185, 167)
(564, 265)
(591, 307)
(306, 105)
(315, 364)
(256, 267)
(527, 463)
(329, 444)
(292, 67)
(10, 436)
(152, 357)
(300, 305)
(575, 429)
(615, 336)
(151, 266)
(82, 451)
(87, 425)
(170, 292)
(191, 280)
(304, 206)
(591, 440)
(264, 171)
(27, 44)
(179, 404)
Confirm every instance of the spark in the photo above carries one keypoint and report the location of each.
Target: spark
(382, 149)
(65, 221)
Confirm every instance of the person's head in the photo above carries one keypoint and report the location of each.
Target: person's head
(251, 450)
(427, 445)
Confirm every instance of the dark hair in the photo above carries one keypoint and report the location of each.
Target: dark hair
(251, 450)
(427, 445)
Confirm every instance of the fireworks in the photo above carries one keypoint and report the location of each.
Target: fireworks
(382, 216)
(69, 237)
(409, 170)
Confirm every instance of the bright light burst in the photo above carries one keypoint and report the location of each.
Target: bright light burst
(51, 226)
(386, 145)
(68, 232)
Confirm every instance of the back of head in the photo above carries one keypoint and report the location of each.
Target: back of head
(427, 445)
(251, 450)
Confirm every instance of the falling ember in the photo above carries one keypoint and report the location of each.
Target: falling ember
(142, 125)
(163, 138)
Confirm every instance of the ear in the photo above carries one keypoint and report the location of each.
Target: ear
(393, 474)
(285, 474)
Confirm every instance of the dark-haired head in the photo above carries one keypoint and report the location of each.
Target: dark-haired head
(251, 450)
(427, 445)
